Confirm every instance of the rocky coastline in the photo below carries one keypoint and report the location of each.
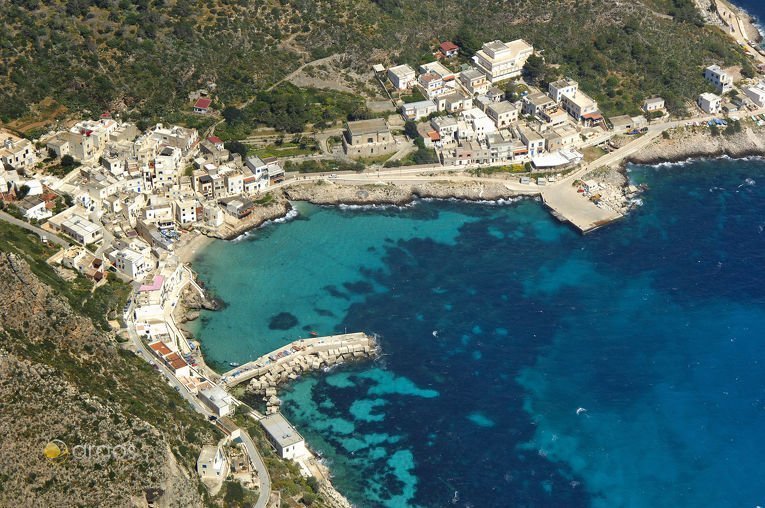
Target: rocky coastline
(696, 142)
(331, 193)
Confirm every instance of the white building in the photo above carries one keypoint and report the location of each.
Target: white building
(503, 60)
(710, 103)
(756, 94)
(563, 86)
(33, 207)
(535, 142)
(446, 127)
(417, 110)
(185, 211)
(438, 68)
(719, 78)
(213, 216)
(432, 84)
(402, 76)
(288, 442)
(234, 183)
(131, 263)
(477, 125)
(653, 104)
(165, 167)
(217, 400)
(212, 462)
(82, 230)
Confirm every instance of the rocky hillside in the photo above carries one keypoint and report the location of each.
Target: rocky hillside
(144, 56)
(63, 379)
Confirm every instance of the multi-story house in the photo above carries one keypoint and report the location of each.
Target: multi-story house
(500, 61)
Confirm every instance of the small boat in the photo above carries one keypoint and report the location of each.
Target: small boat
(233, 364)
(314, 334)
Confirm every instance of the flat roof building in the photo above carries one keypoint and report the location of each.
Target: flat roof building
(288, 442)
(82, 230)
(368, 138)
(719, 78)
(710, 103)
(402, 76)
(217, 400)
(503, 60)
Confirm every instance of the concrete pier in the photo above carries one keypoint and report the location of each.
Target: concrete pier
(289, 361)
(570, 206)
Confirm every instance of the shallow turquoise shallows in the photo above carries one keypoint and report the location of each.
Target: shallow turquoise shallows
(524, 364)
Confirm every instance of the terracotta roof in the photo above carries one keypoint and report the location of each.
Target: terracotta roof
(203, 103)
(178, 363)
(215, 140)
(434, 136)
(448, 46)
(160, 348)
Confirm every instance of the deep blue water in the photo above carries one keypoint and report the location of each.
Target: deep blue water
(498, 324)
(755, 8)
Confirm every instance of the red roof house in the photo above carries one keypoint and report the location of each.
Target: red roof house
(202, 105)
(449, 49)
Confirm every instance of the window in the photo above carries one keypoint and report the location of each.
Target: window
(370, 140)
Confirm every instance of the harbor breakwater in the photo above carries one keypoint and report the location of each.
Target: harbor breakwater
(288, 363)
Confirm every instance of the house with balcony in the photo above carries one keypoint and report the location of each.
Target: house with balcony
(501, 61)
(719, 78)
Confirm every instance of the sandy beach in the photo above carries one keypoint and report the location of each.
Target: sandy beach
(191, 244)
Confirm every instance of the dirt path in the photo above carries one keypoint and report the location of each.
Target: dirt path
(297, 71)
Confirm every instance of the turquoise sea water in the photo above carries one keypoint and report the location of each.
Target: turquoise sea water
(525, 365)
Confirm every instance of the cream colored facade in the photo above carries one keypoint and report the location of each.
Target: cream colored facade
(503, 60)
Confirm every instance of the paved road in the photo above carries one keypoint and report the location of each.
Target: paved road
(29, 227)
(257, 461)
(263, 476)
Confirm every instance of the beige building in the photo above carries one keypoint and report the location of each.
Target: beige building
(368, 138)
(186, 211)
(502, 113)
(15, 151)
(653, 104)
(474, 81)
(582, 107)
(565, 136)
(503, 60)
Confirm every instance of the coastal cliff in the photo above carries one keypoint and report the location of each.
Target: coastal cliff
(694, 142)
(62, 378)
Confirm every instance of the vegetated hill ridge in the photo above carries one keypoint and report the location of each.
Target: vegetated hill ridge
(62, 378)
(144, 56)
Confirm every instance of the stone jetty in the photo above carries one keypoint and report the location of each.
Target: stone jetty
(289, 362)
